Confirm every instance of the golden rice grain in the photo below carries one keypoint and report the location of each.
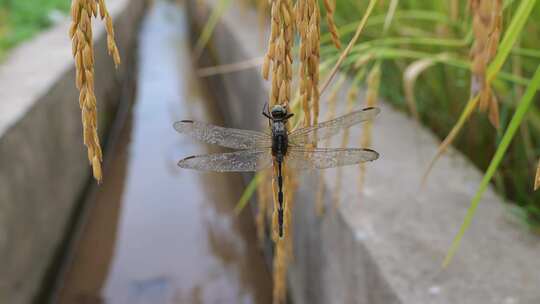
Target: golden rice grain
(308, 24)
(330, 7)
(278, 57)
(487, 28)
(82, 50)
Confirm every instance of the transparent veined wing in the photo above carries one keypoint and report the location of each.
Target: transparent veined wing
(225, 137)
(332, 127)
(322, 158)
(239, 161)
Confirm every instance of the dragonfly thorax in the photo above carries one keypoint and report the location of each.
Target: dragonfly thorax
(280, 140)
(278, 123)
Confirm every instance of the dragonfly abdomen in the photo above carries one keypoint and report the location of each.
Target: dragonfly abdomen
(280, 144)
(280, 198)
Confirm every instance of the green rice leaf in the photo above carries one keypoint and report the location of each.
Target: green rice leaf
(521, 110)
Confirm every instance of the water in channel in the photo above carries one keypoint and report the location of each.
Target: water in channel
(156, 233)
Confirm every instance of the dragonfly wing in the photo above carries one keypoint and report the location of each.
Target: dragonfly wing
(225, 137)
(239, 161)
(321, 158)
(332, 127)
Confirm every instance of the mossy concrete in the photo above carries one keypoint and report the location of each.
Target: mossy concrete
(386, 244)
(43, 163)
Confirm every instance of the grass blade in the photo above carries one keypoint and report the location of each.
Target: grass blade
(248, 193)
(345, 52)
(510, 37)
(471, 106)
(230, 67)
(209, 27)
(521, 110)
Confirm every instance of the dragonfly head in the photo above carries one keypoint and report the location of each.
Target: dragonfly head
(279, 112)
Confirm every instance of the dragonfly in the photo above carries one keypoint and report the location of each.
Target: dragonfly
(276, 147)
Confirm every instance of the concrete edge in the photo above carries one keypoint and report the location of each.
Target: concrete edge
(41, 144)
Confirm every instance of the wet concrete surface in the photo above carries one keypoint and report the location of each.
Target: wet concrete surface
(156, 233)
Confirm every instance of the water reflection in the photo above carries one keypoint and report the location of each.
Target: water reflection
(158, 234)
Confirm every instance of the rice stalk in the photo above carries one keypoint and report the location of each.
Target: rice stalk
(280, 264)
(454, 10)
(352, 96)
(83, 52)
(230, 67)
(332, 101)
(372, 97)
(349, 47)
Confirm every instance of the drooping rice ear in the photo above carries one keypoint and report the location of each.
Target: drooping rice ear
(487, 28)
(82, 50)
(278, 67)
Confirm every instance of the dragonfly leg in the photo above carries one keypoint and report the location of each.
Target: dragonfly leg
(266, 111)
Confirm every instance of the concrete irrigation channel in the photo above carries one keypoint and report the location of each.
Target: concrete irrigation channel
(152, 233)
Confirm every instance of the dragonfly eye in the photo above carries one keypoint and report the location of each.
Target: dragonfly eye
(279, 111)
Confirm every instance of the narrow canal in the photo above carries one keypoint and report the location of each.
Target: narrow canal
(156, 233)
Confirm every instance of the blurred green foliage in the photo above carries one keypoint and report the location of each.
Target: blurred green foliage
(21, 19)
(426, 29)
